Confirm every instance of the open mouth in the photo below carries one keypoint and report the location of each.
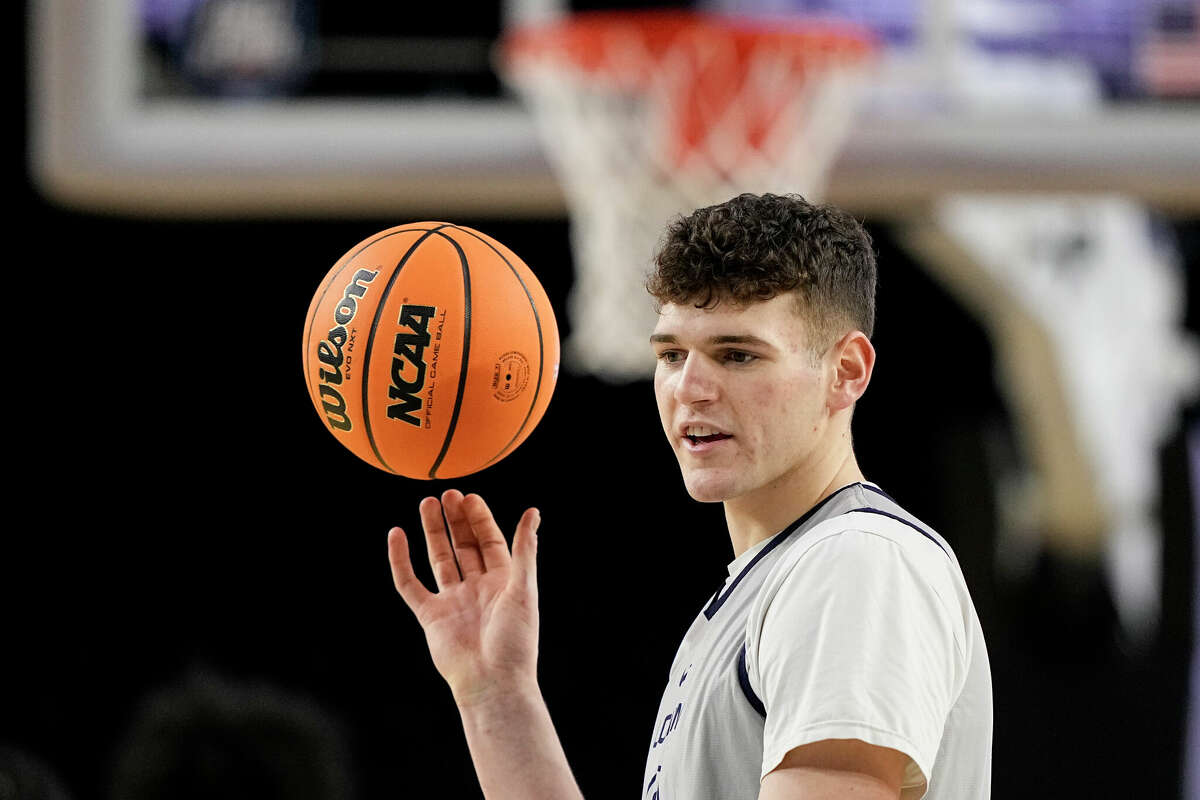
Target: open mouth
(712, 437)
(698, 434)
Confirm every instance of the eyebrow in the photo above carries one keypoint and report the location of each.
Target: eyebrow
(667, 338)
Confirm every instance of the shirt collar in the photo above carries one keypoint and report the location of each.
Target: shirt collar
(745, 558)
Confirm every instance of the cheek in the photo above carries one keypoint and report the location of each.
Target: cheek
(767, 409)
(784, 414)
(662, 397)
(774, 397)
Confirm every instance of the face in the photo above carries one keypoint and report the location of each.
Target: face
(742, 398)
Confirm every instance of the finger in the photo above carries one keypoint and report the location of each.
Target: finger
(441, 554)
(408, 585)
(492, 545)
(470, 562)
(525, 551)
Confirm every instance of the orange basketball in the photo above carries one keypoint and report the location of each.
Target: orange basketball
(430, 350)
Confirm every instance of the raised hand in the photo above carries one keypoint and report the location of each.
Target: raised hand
(481, 626)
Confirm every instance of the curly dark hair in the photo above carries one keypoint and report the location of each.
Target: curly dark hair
(755, 247)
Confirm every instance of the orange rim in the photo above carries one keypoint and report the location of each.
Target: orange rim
(583, 39)
(696, 67)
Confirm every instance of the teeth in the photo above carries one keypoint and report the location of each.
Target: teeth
(700, 430)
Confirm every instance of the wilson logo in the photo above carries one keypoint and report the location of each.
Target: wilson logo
(329, 350)
(408, 364)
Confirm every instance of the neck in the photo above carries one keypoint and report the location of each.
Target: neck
(760, 514)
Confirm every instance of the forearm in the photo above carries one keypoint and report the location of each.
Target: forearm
(516, 750)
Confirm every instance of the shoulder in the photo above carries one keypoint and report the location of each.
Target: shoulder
(866, 536)
(858, 547)
(868, 562)
(866, 508)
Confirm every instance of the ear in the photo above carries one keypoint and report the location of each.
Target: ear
(852, 360)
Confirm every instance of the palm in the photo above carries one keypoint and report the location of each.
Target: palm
(482, 627)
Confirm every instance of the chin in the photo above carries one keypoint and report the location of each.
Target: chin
(706, 489)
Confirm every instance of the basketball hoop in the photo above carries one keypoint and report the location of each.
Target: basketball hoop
(646, 115)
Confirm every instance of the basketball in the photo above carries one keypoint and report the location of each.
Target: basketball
(430, 350)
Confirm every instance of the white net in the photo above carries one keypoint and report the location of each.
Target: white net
(641, 133)
(1109, 295)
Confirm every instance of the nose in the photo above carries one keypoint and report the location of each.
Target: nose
(696, 382)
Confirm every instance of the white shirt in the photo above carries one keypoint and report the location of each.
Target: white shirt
(854, 622)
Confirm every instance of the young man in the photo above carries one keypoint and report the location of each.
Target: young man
(843, 657)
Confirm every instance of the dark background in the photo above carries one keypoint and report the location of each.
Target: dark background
(193, 513)
(178, 509)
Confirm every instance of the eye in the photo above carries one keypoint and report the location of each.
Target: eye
(670, 356)
(739, 356)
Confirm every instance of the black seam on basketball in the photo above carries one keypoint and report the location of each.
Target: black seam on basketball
(330, 280)
(541, 344)
(466, 351)
(366, 371)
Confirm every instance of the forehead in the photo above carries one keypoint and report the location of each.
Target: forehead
(773, 320)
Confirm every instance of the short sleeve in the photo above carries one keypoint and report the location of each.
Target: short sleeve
(858, 641)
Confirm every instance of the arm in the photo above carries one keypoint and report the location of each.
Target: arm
(856, 646)
(836, 769)
(516, 750)
(482, 629)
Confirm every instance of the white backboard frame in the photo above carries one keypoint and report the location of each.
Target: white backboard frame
(96, 145)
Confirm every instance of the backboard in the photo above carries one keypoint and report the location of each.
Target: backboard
(370, 115)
